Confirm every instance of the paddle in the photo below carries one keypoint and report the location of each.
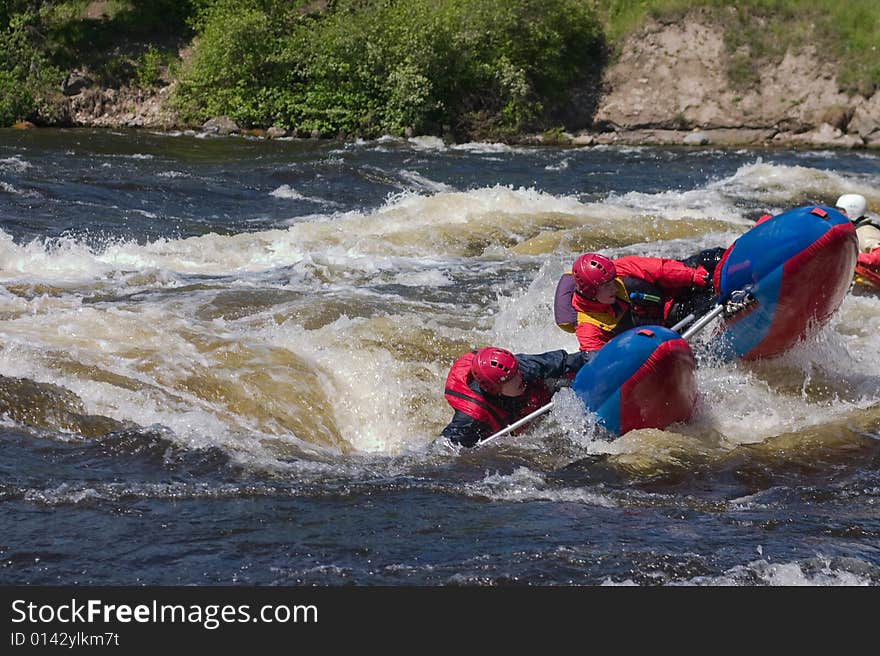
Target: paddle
(681, 324)
(519, 422)
(735, 303)
(704, 321)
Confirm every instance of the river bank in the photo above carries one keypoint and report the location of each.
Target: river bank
(669, 85)
(672, 84)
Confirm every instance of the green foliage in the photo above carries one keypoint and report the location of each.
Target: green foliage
(149, 67)
(234, 69)
(555, 136)
(16, 100)
(25, 74)
(368, 67)
(128, 44)
(40, 41)
(854, 27)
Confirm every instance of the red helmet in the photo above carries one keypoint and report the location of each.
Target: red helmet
(492, 367)
(591, 270)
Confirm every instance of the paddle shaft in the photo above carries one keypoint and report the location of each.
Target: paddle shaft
(704, 321)
(519, 422)
(681, 324)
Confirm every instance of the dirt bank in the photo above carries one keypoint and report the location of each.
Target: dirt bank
(670, 84)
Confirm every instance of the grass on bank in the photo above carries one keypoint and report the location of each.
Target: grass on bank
(846, 33)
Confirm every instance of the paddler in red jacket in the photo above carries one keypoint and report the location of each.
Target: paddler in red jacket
(491, 388)
(854, 206)
(601, 297)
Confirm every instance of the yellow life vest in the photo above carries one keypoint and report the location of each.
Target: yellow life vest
(608, 321)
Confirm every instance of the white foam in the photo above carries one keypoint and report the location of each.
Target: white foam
(524, 484)
(427, 143)
(559, 166)
(679, 205)
(14, 163)
(761, 572)
(821, 572)
(482, 147)
(420, 182)
(286, 191)
(780, 185)
(430, 278)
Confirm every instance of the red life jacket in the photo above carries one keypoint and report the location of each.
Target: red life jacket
(479, 406)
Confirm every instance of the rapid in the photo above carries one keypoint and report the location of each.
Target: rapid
(222, 362)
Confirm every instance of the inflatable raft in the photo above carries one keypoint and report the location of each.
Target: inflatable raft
(643, 378)
(794, 270)
(797, 267)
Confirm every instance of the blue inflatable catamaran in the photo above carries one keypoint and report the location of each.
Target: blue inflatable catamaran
(776, 285)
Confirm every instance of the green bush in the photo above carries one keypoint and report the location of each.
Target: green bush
(41, 41)
(371, 67)
(233, 69)
(149, 67)
(472, 68)
(26, 77)
(16, 100)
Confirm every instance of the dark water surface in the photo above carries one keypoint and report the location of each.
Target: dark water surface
(222, 360)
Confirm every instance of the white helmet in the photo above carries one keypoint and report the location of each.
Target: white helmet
(853, 204)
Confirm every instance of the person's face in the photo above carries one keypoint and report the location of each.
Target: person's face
(515, 386)
(606, 292)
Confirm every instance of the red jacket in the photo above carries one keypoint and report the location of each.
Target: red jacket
(598, 323)
(478, 415)
(871, 260)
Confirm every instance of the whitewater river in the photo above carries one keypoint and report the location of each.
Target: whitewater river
(222, 362)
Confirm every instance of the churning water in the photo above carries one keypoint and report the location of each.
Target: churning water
(222, 362)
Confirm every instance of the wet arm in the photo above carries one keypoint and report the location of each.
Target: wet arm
(871, 259)
(669, 274)
(553, 364)
(466, 430)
